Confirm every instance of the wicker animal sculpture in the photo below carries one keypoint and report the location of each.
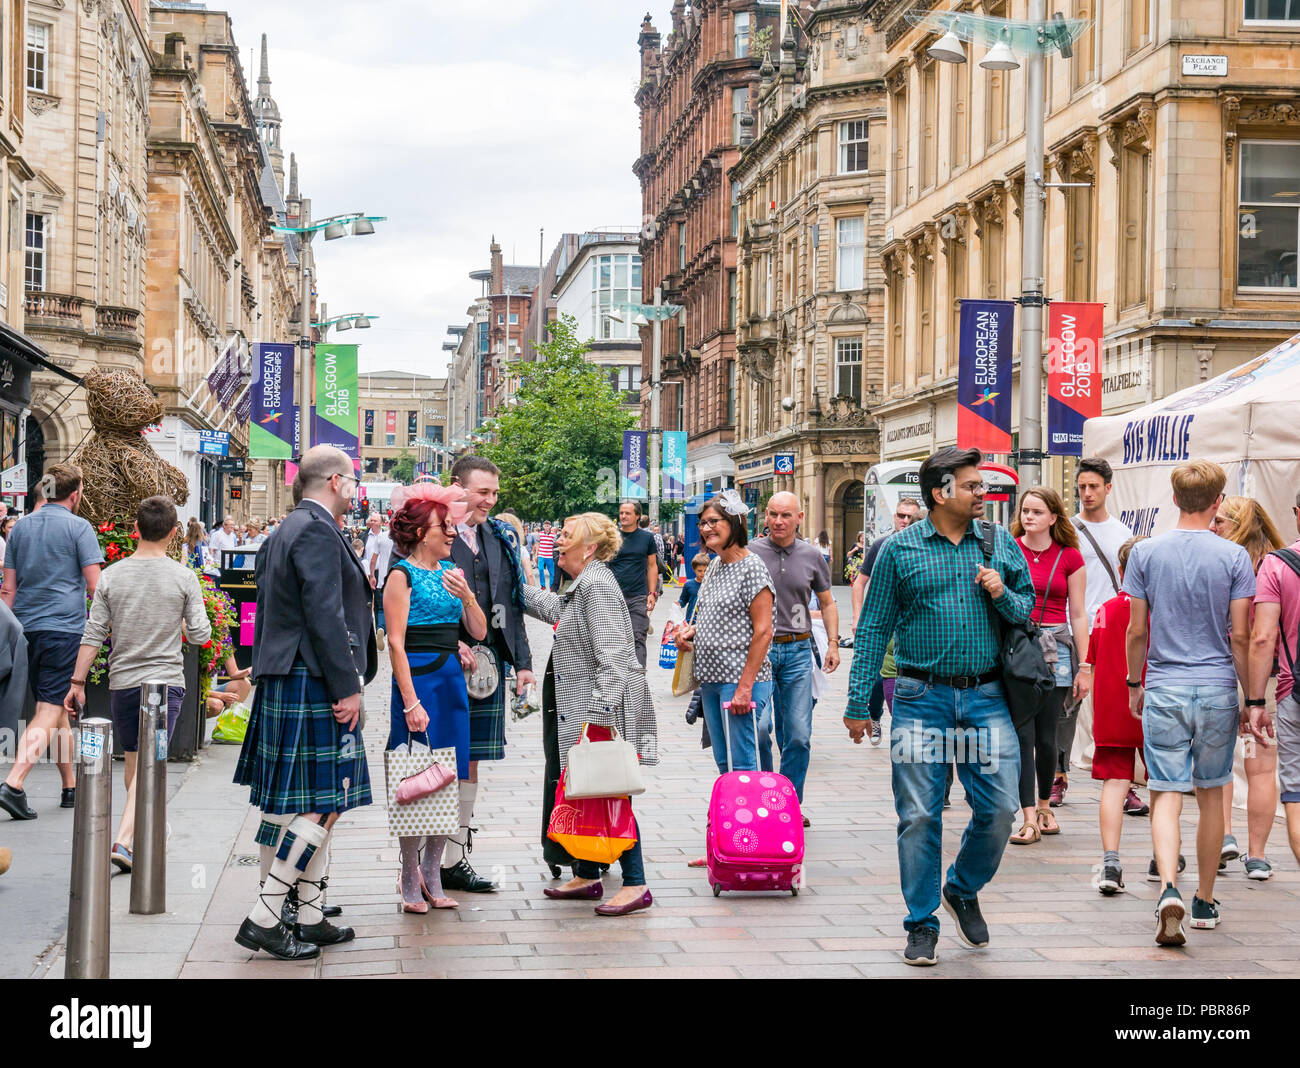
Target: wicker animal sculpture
(120, 468)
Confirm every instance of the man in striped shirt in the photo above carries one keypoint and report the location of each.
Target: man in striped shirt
(932, 592)
(546, 556)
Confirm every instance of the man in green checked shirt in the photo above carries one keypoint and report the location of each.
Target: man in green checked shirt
(932, 593)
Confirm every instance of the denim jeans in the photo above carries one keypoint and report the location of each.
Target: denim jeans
(739, 728)
(545, 571)
(933, 726)
(1189, 733)
(630, 862)
(792, 705)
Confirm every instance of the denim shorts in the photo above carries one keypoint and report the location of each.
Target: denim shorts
(1189, 733)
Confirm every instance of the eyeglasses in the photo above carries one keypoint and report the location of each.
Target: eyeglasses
(352, 477)
(709, 524)
(977, 488)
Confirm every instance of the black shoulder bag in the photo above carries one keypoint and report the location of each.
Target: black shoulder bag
(1292, 560)
(1026, 674)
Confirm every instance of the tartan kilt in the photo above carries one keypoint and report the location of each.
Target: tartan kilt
(487, 720)
(296, 757)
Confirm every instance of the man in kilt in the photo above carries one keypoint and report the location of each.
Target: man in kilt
(487, 551)
(303, 757)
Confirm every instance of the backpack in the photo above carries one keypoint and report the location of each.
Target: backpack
(1292, 560)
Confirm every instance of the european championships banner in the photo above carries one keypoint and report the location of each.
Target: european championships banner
(334, 417)
(984, 375)
(271, 424)
(1073, 374)
(636, 471)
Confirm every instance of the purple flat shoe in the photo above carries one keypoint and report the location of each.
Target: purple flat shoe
(593, 892)
(643, 902)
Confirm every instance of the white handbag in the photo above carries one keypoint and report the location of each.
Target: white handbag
(603, 769)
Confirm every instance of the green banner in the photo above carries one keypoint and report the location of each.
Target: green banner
(334, 419)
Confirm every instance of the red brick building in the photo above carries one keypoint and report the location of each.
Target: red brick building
(694, 98)
(510, 297)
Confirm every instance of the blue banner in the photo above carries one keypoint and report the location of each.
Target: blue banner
(984, 375)
(674, 465)
(636, 470)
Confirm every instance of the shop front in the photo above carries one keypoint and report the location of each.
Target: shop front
(756, 480)
(19, 433)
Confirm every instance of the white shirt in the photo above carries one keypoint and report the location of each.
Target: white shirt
(378, 545)
(1110, 536)
(221, 540)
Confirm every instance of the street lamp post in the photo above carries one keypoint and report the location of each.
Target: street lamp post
(335, 226)
(1033, 38)
(655, 313)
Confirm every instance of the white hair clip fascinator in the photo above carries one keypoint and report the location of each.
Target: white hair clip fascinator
(731, 503)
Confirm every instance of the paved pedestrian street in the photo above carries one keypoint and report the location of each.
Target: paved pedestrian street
(1045, 917)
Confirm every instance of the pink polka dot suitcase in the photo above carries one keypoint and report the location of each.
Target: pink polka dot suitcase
(754, 839)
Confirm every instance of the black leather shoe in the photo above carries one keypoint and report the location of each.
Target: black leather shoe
(68, 799)
(278, 941)
(15, 803)
(323, 933)
(461, 876)
(289, 910)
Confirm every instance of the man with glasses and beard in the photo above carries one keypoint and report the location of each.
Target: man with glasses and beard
(935, 596)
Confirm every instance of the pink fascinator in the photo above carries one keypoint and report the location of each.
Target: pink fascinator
(452, 498)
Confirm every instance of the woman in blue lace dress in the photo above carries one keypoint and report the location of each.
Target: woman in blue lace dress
(424, 598)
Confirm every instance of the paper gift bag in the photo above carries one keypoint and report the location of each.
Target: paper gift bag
(439, 813)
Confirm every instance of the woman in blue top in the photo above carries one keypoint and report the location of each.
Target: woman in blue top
(424, 597)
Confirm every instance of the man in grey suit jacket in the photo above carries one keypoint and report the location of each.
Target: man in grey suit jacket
(313, 641)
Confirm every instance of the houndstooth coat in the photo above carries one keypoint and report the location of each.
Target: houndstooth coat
(597, 677)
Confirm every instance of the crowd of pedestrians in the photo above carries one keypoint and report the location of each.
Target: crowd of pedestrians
(1146, 645)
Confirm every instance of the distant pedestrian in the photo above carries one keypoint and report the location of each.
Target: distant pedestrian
(691, 587)
(637, 570)
(51, 567)
(377, 554)
(221, 540)
(1276, 633)
(931, 590)
(1244, 522)
(141, 604)
(799, 572)
(303, 756)
(195, 545)
(546, 556)
(1187, 590)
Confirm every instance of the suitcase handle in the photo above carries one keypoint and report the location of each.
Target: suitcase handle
(726, 729)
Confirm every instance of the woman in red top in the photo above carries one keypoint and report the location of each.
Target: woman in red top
(1051, 546)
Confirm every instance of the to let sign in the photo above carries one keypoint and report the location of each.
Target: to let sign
(1206, 66)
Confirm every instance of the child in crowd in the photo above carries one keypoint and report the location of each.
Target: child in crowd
(691, 587)
(1116, 731)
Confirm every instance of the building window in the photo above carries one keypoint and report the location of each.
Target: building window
(370, 426)
(731, 392)
(1268, 216)
(853, 146)
(739, 105)
(1078, 230)
(514, 318)
(741, 34)
(501, 319)
(681, 246)
(897, 329)
(1135, 176)
(412, 427)
(992, 250)
(898, 146)
(848, 367)
(38, 57)
(955, 252)
(34, 248)
(616, 279)
(731, 300)
(849, 253)
(959, 141)
(735, 209)
(1083, 65)
(929, 124)
(924, 315)
(1139, 22)
(1283, 12)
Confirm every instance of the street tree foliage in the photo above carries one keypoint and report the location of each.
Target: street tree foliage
(403, 469)
(560, 443)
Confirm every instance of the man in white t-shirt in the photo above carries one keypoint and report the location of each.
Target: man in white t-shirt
(223, 537)
(376, 558)
(1100, 538)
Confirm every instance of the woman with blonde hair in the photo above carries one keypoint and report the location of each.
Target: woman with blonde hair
(1045, 727)
(593, 682)
(1242, 520)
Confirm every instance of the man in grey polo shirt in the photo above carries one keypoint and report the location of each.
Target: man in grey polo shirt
(798, 572)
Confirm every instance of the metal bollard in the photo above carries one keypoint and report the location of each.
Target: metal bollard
(87, 956)
(149, 867)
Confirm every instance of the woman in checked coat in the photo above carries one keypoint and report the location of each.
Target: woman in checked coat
(596, 681)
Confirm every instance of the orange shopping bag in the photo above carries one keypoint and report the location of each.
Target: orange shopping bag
(597, 829)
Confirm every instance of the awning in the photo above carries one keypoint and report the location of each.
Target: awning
(15, 343)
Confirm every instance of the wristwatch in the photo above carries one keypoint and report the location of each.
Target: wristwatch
(1133, 685)
(1256, 702)
(82, 682)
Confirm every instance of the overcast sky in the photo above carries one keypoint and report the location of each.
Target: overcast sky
(457, 120)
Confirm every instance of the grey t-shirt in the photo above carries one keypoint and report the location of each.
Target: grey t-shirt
(724, 630)
(1188, 578)
(798, 572)
(47, 551)
(143, 603)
